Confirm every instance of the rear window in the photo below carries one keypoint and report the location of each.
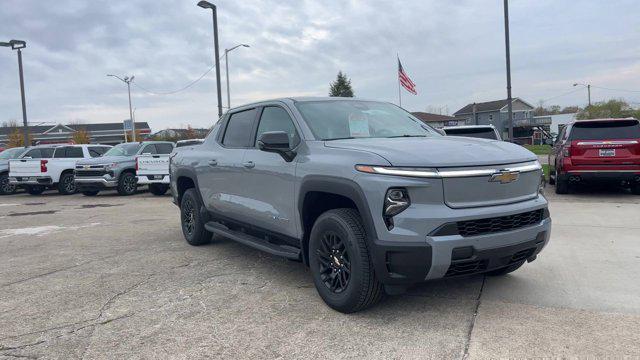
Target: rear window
(40, 153)
(164, 148)
(482, 133)
(596, 130)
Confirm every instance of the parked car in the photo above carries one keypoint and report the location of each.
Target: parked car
(153, 170)
(117, 168)
(475, 131)
(6, 188)
(362, 193)
(595, 151)
(49, 166)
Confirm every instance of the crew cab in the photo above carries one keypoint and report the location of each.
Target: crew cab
(51, 167)
(7, 188)
(117, 168)
(153, 170)
(475, 131)
(362, 192)
(599, 150)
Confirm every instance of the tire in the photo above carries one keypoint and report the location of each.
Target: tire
(35, 189)
(5, 187)
(191, 223)
(127, 185)
(505, 270)
(635, 189)
(66, 185)
(562, 185)
(340, 262)
(90, 192)
(158, 189)
(552, 179)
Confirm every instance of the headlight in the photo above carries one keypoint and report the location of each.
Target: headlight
(111, 166)
(396, 200)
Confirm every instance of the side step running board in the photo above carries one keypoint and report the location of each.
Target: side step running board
(288, 252)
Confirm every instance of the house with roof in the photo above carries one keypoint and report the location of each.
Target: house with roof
(104, 133)
(527, 129)
(437, 120)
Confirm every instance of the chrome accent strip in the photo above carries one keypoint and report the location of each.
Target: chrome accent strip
(636, 171)
(620, 142)
(417, 172)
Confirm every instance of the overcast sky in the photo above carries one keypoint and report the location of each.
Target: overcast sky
(452, 50)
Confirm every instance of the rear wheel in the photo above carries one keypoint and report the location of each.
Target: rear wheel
(562, 184)
(506, 270)
(340, 262)
(66, 185)
(6, 188)
(35, 189)
(127, 185)
(90, 192)
(158, 189)
(635, 189)
(192, 225)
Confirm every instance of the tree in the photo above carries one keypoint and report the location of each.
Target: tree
(341, 87)
(81, 136)
(610, 109)
(16, 138)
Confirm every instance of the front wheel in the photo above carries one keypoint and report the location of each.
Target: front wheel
(6, 188)
(66, 185)
(127, 185)
(340, 262)
(158, 189)
(35, 189)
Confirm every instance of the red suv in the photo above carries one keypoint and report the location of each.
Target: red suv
(597, 150)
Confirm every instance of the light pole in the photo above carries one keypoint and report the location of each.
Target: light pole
(508, 56)
(226, 63)
(588, 86)
(216, 53)
(19, 45)
(127, 80)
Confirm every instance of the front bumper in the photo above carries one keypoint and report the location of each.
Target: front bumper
(95, 183)
(30, 180)
(157, 179)
(602, 175)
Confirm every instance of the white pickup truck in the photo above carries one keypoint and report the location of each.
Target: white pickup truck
(51, 166)
(153, 170)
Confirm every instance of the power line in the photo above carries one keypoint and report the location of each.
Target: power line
(623, 90)
(561, 95)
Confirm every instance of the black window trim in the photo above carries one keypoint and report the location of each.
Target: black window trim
(257, 124)
(227, 117)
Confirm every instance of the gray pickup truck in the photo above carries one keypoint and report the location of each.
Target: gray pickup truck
(116, 169)
(362, 192)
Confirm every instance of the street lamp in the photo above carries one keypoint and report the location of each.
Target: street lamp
(216, 53)
(127, 80)
(226, 63)
(588, 86)
(19, 45)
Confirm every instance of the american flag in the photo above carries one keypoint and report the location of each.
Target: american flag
(405, 81)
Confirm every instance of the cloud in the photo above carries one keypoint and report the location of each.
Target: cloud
(453, 51)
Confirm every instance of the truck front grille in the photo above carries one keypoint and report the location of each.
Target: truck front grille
(499, 224)
(89, 173)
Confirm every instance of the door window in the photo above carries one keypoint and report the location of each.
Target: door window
(68, 152)
(97, 151)
(164, 148)
(150, 149)
(275, 118)
(40, 153)
(238, 131)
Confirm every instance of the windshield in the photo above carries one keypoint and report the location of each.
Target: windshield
(126, 149)
(594, 130)
(346, 119)
(482, 133)
(11, 153)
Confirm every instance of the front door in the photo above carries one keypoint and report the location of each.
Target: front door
(270, 178)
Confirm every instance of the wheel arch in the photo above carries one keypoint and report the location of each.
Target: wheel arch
(319, 193)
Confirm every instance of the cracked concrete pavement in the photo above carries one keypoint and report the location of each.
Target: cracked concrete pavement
(111, 277)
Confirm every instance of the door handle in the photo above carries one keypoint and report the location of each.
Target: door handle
(213, 162)
(249, 164)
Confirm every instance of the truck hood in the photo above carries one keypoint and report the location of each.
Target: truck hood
(436, 152)
(105, 160)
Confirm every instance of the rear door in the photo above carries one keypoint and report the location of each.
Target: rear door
(65, 158)
(605, 143)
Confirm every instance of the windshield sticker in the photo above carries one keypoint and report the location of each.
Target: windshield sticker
(358, 125)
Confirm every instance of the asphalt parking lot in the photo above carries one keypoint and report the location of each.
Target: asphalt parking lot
(112, 277)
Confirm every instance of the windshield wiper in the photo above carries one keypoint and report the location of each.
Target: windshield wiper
(406, 135)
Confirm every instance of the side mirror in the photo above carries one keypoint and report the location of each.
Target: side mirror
(276, 142)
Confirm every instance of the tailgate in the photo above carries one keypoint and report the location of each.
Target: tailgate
(605, 152)
(25, 167)
(152, 164)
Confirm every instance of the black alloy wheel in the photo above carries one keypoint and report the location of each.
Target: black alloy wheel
(6, 187)
(335, 267)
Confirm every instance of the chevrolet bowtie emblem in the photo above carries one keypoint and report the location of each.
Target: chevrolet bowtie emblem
(87, 167)
(505, 177)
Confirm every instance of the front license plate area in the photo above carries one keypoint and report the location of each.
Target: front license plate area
(607, 152)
